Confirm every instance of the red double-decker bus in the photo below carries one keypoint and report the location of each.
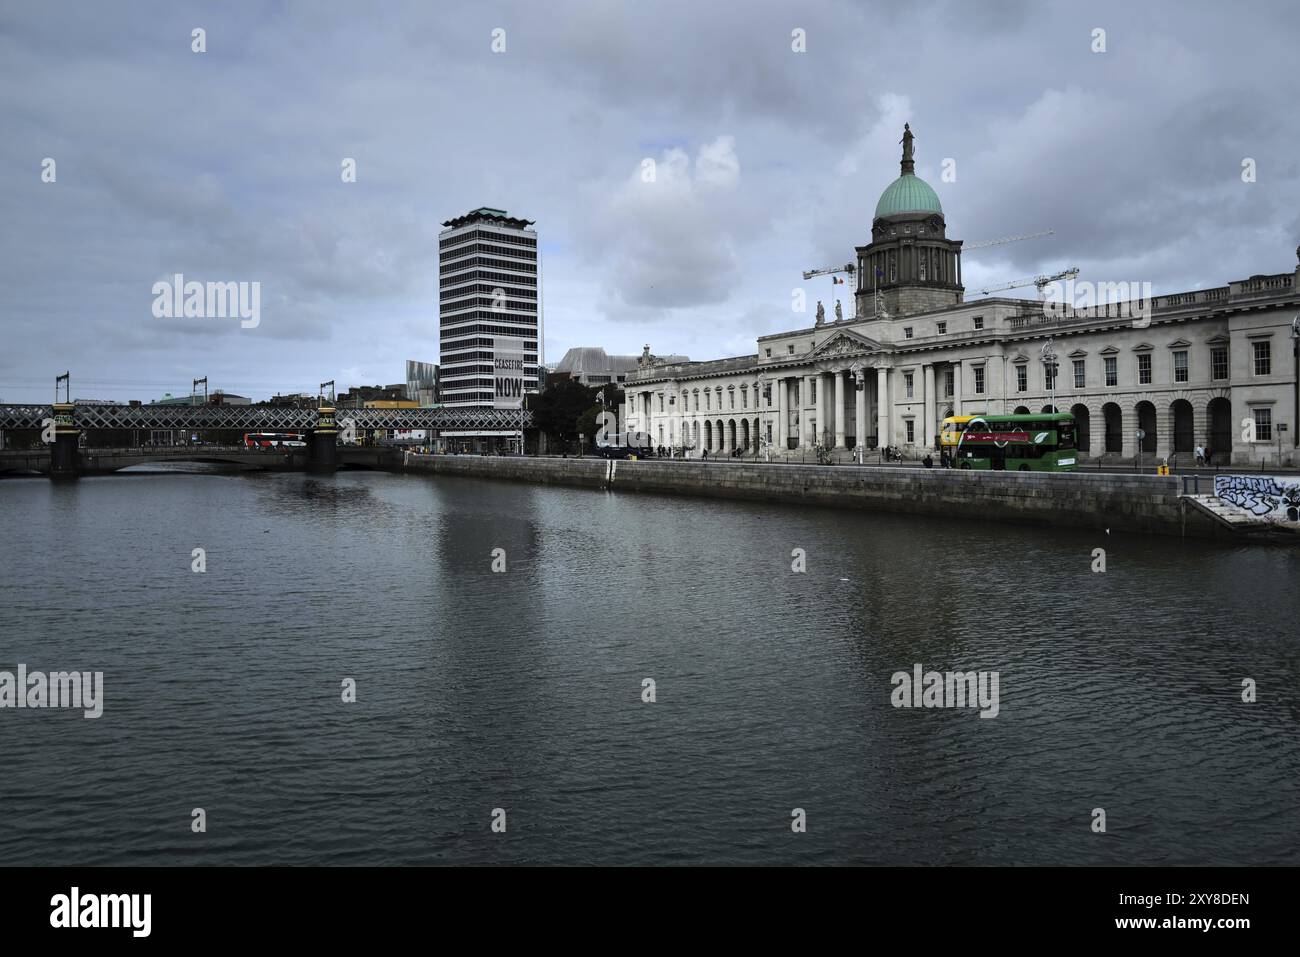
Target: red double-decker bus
(272, 440)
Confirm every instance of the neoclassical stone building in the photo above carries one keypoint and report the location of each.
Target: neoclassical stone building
(1215, 367)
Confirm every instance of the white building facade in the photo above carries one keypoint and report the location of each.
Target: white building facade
(1215, 367)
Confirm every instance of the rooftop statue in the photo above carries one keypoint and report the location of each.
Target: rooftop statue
(821, 312)
(907, 142)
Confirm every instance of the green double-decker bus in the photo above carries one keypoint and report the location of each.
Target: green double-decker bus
(1019, 443)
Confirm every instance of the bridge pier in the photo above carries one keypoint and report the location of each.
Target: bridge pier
(322, 442)
(64, 455)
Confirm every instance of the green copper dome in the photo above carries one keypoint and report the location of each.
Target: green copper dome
(908, 194)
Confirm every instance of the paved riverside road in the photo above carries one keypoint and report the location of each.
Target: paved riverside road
(874, 460)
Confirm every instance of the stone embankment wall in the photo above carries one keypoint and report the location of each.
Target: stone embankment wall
(1122, 503)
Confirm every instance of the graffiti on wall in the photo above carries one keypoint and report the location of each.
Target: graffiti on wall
(1267, 497)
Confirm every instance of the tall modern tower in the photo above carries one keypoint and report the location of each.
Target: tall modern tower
(489, 306)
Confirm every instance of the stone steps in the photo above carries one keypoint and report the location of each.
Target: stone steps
(1226, 515)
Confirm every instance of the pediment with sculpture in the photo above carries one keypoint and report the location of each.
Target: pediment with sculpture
(845, 343)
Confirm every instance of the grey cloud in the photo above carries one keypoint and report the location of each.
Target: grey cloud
(226, 165)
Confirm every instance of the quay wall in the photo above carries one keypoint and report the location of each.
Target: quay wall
(1121, 503)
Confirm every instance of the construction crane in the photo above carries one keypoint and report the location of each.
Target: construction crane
(829, 271)
(1039, 281)
(967, 247)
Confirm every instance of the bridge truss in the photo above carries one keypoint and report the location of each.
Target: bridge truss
(265, 418)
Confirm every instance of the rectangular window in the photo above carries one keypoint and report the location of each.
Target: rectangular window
(948, 382)
(744, 398)
(769, 353)
(911, 431)
(1219, 362)
(1049, 376)
(791, 348)
(1144, 369)
(1022, 378)
(1263, 425)
(907, 332)
(1080, 379)
(812, 391)
(661, 401)
(1112, 370)
(943, 327)
(979, 380)
(907, 384)
(708, 400)
(1180, 366)
(1263, 358)
(978, 322)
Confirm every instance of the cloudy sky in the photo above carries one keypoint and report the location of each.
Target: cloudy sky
(226, 165)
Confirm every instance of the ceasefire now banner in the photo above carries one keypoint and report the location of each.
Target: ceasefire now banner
(507, 372)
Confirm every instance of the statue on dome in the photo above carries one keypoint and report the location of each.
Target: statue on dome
(907, 142)
(821, 312)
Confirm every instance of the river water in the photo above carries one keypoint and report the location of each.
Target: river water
(522, 689)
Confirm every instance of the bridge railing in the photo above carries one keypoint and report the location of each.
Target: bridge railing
(261, 418)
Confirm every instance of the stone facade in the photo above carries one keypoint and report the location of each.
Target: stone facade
(1187, 369)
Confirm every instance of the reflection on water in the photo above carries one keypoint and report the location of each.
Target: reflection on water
(522, 689)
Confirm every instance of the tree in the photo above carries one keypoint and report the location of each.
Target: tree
(557, 410)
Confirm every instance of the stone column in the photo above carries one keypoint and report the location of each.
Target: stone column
(65, 456)
(812, 422)
(1129, 423)
(1165, 433)
(781, 417)
(883, 435)
(997, 384)
(860, 395)
(958, 372)
(805, 417)
(1201, 424)
(930, 412)
(839, 409)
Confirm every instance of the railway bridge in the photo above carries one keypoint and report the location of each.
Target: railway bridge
(62, 425)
